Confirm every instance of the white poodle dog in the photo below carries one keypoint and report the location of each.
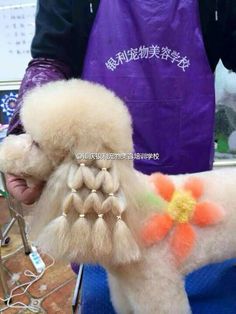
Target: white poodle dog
(148, 232)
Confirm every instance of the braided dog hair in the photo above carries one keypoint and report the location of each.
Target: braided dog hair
(92, 225)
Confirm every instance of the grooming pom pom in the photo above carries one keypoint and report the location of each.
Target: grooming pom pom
(81, 237)
(156, 228)
(195, 185)
(182, 241)
(163, 185)
(55, 237)
(125, 247)
(101, 238)
(208, 213)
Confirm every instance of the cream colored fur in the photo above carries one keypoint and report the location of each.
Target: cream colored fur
(75, 117)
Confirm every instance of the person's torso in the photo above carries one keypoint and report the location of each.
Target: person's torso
(152, 56)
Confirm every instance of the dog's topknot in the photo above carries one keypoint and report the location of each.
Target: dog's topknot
(77, 115)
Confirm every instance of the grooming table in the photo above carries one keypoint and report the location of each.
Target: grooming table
(211, 290)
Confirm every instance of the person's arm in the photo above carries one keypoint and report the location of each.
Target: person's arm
(38, 72)
(51, 51)
(228, 50)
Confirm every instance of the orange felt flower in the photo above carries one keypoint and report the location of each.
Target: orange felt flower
(183, 210)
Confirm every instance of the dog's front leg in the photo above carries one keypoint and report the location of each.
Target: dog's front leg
(118, 297)
(151, 287)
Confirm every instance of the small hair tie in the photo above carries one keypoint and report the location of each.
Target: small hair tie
(82, 164)
(73, 191)
(81, 215)
(118, 217)
(104, 169)
(100, 215)
(111, 194)
(94, 191)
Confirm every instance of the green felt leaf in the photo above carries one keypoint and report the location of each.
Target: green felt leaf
(153, 199)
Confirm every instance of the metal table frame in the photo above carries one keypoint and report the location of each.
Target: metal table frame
(16, 215)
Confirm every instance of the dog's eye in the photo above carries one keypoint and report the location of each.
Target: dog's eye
(36, 144)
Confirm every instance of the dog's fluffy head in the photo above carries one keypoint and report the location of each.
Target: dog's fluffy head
(76, 116)
(88, 208)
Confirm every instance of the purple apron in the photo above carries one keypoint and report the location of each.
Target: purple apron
(151, 53)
